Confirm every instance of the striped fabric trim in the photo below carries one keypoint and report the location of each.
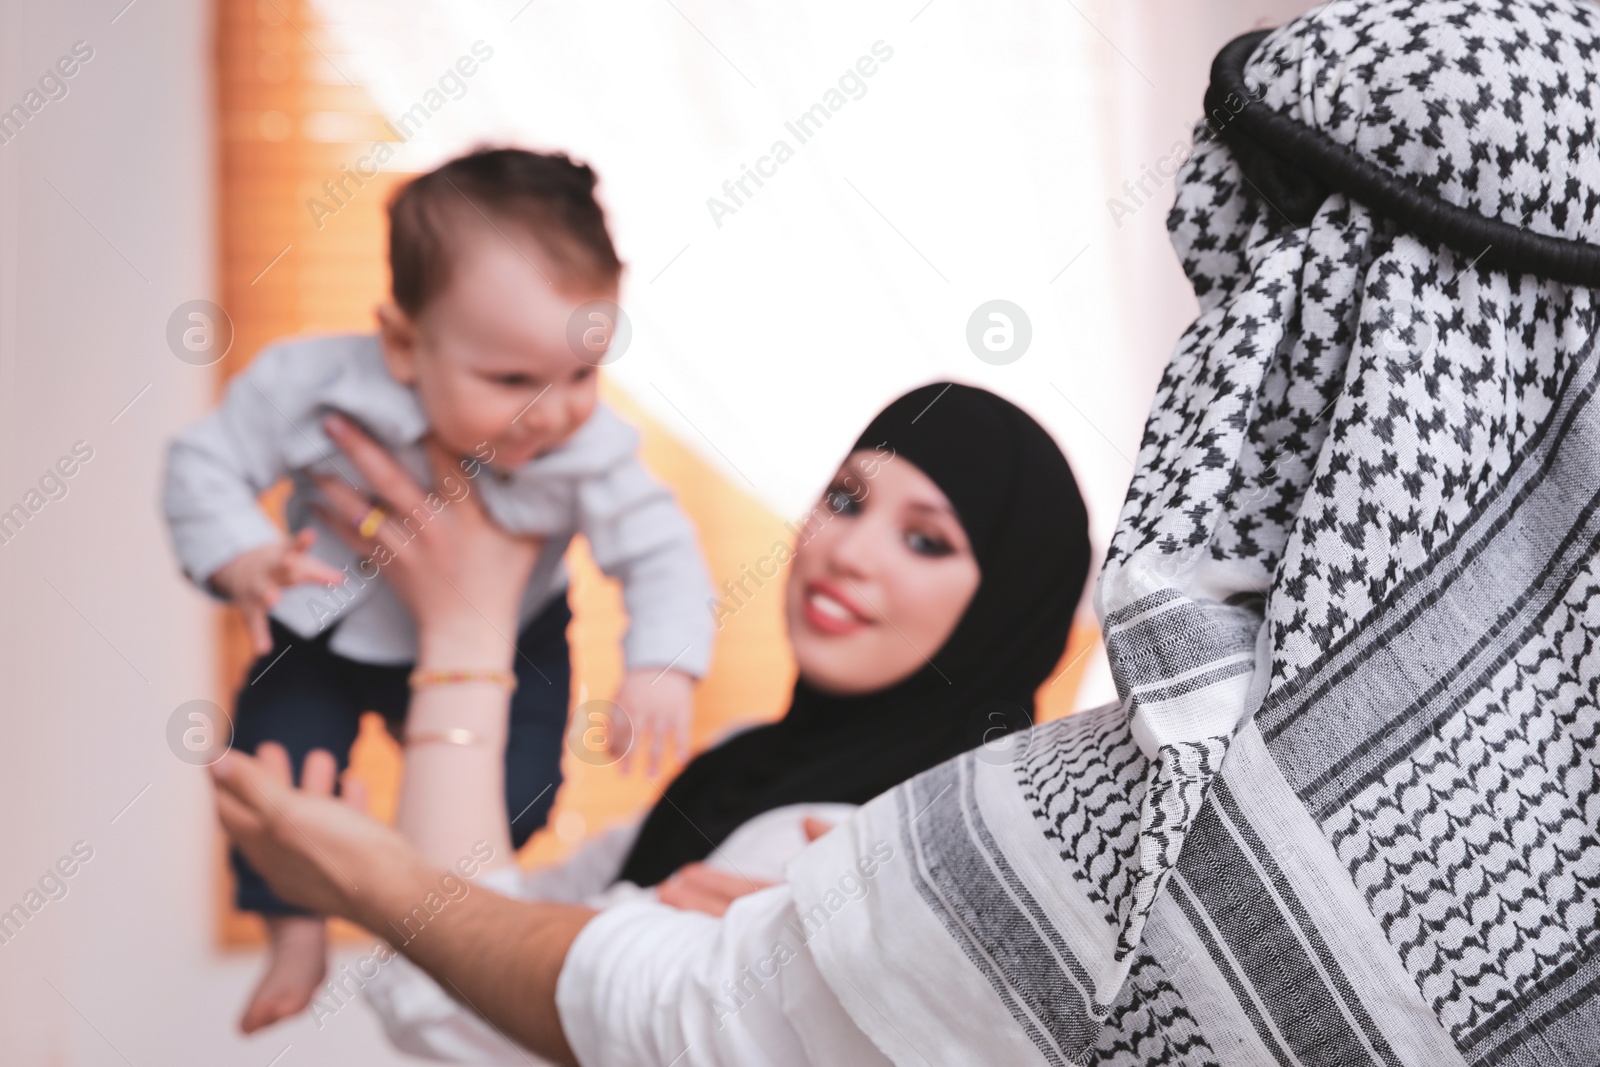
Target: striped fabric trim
(1349, 727)
(965, 880)
(1548, 1025)
(1279, 965)
(1182, 637)
(1331, 734)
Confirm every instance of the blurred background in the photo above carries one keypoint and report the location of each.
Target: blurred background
(240, 152)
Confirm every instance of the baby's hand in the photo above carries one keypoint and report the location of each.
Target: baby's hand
(658, 705)
(255, 580)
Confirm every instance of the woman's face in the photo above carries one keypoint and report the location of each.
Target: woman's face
(882, 573)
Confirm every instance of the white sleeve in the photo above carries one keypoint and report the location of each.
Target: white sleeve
(218, 467)
(639, 535)
(646, 985)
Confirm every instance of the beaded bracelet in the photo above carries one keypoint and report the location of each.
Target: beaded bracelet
(421, 679)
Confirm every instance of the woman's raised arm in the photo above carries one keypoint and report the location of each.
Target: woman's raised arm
(461, 577)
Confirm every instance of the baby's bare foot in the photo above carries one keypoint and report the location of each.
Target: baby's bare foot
(296, 965)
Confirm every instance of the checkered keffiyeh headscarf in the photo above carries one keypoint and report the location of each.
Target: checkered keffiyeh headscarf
(1347, 809)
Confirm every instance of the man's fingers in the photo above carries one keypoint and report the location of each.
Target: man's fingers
(319, 773)
(387, 477)
(237, 819)
(355, 793)
(273, 761)
(246, 780)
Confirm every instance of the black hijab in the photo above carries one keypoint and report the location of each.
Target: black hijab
(1025, 520)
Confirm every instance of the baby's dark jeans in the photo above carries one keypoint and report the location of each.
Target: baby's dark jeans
(309, 697)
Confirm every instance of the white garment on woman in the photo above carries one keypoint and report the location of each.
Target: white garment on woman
(420, 1018)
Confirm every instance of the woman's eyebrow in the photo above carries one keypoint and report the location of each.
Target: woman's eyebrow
(848, 469)
(933, 509)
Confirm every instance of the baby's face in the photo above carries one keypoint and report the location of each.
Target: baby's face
(490, 357)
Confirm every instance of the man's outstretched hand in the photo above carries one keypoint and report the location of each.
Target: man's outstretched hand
(319, 852)
(501, 956)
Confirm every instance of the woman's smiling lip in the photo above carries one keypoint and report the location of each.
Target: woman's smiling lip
(831, 610)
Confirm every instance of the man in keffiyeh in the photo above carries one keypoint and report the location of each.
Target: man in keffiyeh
(1347, 810)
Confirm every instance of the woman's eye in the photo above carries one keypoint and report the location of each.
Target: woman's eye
(515, 381)
(840, 502)
(926, 545)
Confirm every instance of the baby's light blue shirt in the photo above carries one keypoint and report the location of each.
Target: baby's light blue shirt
(269, 426)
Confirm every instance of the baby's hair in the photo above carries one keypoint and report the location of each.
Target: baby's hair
(546, 196)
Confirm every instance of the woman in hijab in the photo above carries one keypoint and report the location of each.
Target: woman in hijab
(1344, 811)
(847, 736)
(929, 596)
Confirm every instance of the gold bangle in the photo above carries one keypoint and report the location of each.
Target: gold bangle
(421, 679)
(453, 736)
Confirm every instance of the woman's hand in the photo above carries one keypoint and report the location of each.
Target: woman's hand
(697, 887)
(321, 853)
(457, 572)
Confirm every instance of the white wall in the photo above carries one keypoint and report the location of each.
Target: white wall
(106, 227)
(106, 208)
(979, 162)
(1155, 68)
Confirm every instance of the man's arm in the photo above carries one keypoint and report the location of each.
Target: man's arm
(644, 984)
(501, 957)
(498, 956)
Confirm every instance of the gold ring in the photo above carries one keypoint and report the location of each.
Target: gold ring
(371, 521)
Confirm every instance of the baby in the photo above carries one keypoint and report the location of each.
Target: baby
(504, 289)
